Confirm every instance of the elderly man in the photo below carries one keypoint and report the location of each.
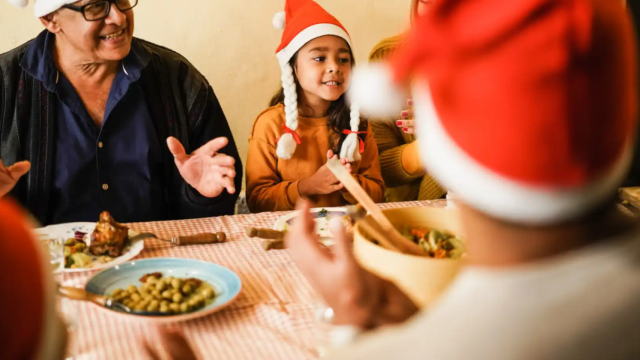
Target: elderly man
(102, 120)
(529, 117)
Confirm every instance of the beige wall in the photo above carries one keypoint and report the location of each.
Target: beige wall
(231, 41)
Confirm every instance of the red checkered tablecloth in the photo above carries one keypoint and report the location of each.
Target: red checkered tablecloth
(273, 318)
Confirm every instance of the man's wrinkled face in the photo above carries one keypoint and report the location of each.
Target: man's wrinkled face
(102, 40)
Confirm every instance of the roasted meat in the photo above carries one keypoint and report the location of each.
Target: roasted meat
(109, 237)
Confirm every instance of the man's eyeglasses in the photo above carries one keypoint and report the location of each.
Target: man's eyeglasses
(99, 10)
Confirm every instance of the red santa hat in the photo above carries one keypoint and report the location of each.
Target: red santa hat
(31, 327)
(525, 109)
(303, 21)
(42, 7)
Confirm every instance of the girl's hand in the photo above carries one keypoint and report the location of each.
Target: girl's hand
(347, 164)
(406, 123)
(322, 182)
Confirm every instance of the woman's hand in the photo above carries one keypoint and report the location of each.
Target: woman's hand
(406, 122)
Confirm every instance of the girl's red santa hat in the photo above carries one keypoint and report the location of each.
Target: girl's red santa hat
(303, 21)
(525, 109)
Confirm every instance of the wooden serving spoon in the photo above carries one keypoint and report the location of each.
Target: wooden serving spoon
(387, 230)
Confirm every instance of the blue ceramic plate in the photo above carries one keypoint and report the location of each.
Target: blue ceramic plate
(225, 282)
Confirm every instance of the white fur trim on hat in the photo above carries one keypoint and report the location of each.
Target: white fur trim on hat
(308, 34)
(46, 7)
(372, 88)
(42, 7)
(279, 20)
(496, 195)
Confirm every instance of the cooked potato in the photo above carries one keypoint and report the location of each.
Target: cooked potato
(153, 306)
(186, 289)
(177, 284)
(167, 295)
(161, 285)
(207, 293)
(184, 307)
(177, 298)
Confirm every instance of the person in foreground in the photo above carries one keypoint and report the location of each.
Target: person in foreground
(30, 325)
(108, 122)
(535, 151)
(309, 121)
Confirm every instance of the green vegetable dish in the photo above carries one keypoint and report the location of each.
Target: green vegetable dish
(167, 295)
(77, 255)
(436, 243)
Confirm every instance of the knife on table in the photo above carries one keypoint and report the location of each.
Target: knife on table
(183, 240)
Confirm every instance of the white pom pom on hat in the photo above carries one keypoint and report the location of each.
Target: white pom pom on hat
(279, 20)
(373, 89)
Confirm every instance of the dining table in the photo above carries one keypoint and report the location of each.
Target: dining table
(274, 317)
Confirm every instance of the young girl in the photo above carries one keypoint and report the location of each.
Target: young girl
(309, 121)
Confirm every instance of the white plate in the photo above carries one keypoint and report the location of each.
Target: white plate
(67, 231)
(322, 221)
